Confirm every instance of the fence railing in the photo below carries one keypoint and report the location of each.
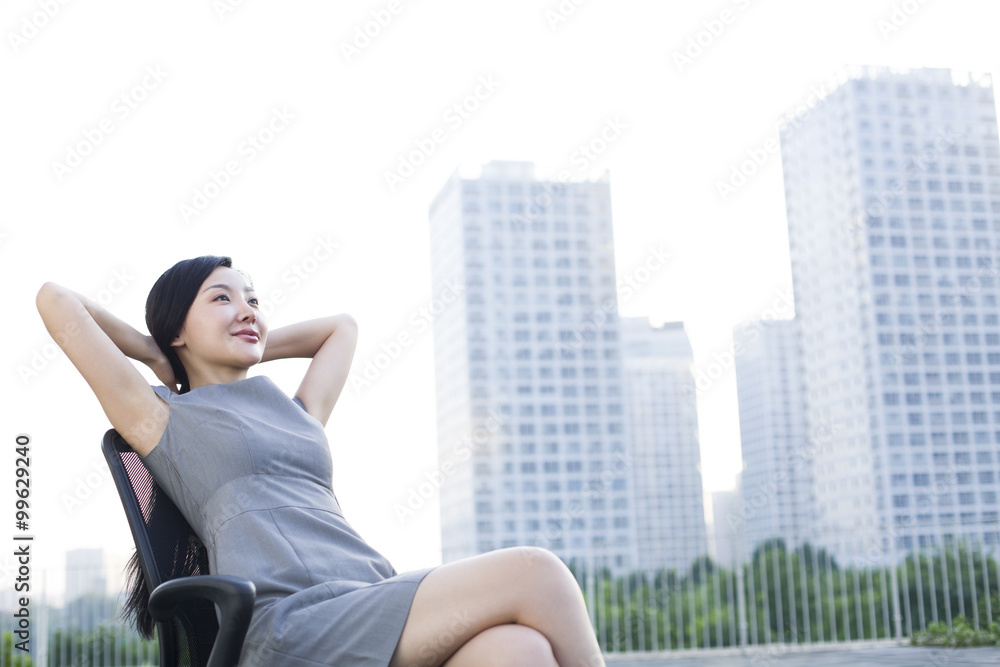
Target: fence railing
(780, 597)
(800, 596)
(86, 632)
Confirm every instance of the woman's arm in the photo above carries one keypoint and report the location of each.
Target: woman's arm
(330, 343)
(99, 345)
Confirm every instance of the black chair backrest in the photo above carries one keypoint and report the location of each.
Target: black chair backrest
(167, 548)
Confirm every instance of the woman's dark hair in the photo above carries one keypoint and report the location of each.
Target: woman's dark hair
(179, 553)
(169, 301)
(166, 310)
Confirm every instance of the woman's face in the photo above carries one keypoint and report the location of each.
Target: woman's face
(224, 326)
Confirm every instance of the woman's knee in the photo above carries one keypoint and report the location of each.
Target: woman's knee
(535, 559)
(541, 568)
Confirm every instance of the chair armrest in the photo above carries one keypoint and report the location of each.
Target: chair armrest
(233, 597)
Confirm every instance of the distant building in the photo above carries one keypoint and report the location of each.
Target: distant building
(85, 573)
(664, 448)
(728, 546)
(532, 432)
(777, 479)
(892, 187)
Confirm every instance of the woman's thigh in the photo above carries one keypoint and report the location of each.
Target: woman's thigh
(459, 600)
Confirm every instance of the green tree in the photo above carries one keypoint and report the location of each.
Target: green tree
(11, 656)
(796, 596)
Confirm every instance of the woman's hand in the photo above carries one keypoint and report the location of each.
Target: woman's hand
(161, 367)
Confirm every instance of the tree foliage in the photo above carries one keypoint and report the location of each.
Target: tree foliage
(798, 596)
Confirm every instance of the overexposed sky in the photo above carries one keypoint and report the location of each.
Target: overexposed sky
(138, 134)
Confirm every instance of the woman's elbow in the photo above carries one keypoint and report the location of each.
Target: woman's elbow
(46, 294)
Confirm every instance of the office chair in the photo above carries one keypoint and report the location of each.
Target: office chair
(201, 620)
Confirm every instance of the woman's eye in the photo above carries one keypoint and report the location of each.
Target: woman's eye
(252, 300)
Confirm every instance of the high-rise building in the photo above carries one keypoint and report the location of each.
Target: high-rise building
(892, 187)
(775, 500)
(663, 444)
(727, 546)
(531, 422)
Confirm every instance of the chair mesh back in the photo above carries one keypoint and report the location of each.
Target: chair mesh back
(167, 548)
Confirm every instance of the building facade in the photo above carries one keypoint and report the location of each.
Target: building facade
(892, 186)
(727, 546)
(775, 497)
(531, 422)
(559, 424)
(664, 450)
(85, 573)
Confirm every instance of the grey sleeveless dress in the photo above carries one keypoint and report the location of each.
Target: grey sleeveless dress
(251, 471)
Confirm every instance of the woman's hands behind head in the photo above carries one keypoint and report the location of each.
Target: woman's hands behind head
(161, 367)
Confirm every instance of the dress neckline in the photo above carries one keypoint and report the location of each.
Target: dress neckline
(226, 384)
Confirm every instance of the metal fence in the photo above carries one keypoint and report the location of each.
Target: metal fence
(780, 597)
(792, 597)
(86, 631)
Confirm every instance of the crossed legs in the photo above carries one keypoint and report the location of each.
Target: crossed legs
(517, 606)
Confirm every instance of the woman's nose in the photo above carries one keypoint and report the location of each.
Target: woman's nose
(248, 313)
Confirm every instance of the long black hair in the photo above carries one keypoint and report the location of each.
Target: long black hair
(167, 307)
(170, 300)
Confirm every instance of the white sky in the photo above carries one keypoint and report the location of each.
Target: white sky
(322, 177)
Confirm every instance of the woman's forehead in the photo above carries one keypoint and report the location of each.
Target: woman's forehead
(232, 278)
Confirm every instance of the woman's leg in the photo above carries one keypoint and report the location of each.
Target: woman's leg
(510, 645)
(523, 585)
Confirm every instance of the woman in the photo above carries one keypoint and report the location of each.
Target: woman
(250, 470)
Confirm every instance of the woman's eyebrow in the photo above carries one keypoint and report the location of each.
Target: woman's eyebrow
(227, 287)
